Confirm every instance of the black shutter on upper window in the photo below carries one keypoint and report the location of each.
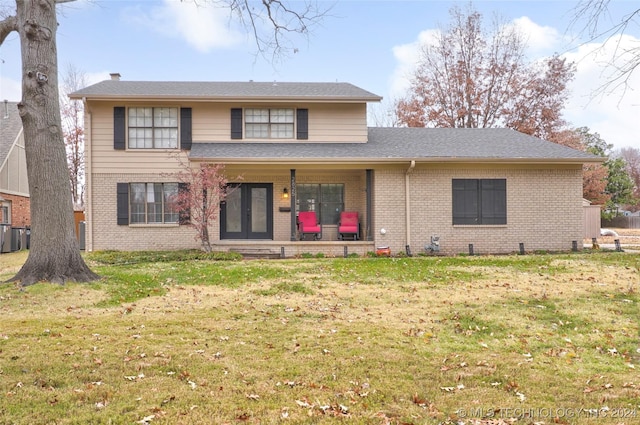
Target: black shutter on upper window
(122, 202)
(302, 124)
(185, 129)
(119, 127)
(184, 214)
(236, 123)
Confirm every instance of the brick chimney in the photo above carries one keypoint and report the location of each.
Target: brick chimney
(115, 76)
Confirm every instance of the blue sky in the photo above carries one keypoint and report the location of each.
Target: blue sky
(370, 43)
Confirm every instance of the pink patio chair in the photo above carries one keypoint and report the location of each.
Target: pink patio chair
(308, 225)
(349, 225)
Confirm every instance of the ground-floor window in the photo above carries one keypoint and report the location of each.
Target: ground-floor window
(479, 201)
(327, 200)
(153, 203)
(5, 216)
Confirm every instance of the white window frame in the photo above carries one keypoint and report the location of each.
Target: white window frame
(151, 210)
(269, 123)
(152, 127)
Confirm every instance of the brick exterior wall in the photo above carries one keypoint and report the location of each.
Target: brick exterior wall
(103, 233)
(20, 210)
(544, 210)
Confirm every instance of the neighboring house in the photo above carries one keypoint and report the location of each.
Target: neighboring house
(306, 146)
(14, 185)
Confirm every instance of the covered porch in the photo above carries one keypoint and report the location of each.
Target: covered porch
(262, 215)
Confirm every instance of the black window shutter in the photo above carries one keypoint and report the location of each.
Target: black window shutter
(184, 214)
(123, 204)
(119, 127)
(185, 129)
(302, 124)
(236, 123)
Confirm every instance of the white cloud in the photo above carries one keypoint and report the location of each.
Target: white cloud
(614, 114)
(407, 56)
(204, 27)
(540, 40)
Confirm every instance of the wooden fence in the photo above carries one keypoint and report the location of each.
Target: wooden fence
(622, 223)
(591, 221)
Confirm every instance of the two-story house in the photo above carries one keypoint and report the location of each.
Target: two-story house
(306, 147)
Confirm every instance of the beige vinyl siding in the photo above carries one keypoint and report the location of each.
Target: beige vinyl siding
(338, 123)
(211, 123)
(327, 122)
(105, 159)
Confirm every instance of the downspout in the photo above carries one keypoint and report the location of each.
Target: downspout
(407, 203)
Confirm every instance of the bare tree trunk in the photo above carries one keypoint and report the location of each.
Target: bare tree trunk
(54, 251)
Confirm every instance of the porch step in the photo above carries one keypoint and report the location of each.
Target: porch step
(256, 253)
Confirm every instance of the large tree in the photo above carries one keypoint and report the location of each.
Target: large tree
(470, 78)
(54, 252)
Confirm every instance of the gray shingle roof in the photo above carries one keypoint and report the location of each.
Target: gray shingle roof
(9, 128)
(403, 144)
(224, 90)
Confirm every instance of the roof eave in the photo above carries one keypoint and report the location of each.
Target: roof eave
(245, 99)
(314, 161)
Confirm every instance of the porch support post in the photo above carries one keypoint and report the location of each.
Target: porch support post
(369, 189)
(293, 205)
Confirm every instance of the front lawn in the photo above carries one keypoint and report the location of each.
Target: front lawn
(465, 340)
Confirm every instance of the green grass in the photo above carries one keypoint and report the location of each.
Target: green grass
(185, 338)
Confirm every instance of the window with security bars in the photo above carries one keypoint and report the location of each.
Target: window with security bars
(4, 214)
(479, 201)
(269, 123)
(327, 200)
(153, 203)
(153, 128)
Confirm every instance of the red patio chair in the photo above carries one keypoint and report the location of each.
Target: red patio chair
(349, 225)
(308, 225)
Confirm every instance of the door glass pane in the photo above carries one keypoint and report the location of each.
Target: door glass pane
(258, 209)
(234, 211)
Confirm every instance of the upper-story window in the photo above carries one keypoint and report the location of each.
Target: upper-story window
(153, 128)
(268, 123)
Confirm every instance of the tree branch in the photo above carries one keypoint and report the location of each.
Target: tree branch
(7, 26)
(592, 12)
